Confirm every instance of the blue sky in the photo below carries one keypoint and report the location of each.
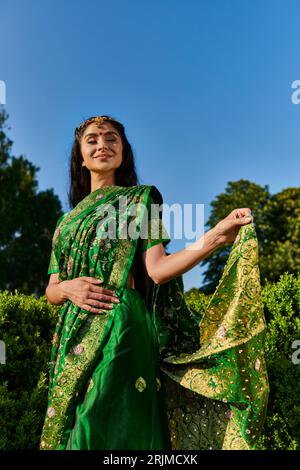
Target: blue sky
(203, 88)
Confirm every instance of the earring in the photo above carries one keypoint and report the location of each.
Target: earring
(83, 164)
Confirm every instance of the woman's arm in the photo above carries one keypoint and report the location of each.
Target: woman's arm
(54, 292)
(84, 291)
(162, 268)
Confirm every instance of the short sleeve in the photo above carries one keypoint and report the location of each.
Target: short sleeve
(153, 230)
(53, 263)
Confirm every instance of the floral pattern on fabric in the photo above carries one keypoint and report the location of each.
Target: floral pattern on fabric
(79, 335)
(222, 359)
(213, 373)
(153, 230)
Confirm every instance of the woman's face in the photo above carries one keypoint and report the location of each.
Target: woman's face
(101, 148)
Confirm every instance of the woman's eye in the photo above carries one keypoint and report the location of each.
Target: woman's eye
(94, 141)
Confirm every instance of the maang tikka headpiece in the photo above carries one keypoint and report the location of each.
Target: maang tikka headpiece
(84, 124)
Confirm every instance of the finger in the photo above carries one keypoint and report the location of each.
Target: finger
(98, 309)
(98, 304)
(89, 308)
(106, 306)
(235, 214)
(92, 280)
(244, 211)
(241, 212)
(109, 298)
(102, 290)
(245, 220)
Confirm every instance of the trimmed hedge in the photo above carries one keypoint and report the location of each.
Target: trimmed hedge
(282, 311)
(27, 326)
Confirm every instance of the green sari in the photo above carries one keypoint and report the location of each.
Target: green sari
(144, 375)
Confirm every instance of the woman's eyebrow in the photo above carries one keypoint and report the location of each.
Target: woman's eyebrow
(94, 134)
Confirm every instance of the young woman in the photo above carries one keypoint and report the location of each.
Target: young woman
(123, 313)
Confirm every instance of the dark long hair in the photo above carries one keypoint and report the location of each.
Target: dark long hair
(125, 175)
(80, 176)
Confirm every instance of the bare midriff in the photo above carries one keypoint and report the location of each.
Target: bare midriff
(130, 280)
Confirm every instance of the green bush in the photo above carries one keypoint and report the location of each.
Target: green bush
(197, 301)
(282, 310)
(27, 326)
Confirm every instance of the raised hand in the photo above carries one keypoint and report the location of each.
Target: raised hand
(227, 229)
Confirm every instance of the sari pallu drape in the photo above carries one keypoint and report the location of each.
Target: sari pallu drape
(213, 384)
(217, 392)
(79, 336)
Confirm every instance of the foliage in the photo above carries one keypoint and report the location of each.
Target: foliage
(277, 224)
(30, 218)
(197, 301)
(27, 326)
(282, 310)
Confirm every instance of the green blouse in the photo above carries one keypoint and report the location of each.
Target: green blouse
(54, 264)
(153, 230)
(152, 233)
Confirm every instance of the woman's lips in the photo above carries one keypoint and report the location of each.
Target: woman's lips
(103, 156)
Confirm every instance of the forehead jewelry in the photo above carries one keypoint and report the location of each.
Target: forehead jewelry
(98, 119)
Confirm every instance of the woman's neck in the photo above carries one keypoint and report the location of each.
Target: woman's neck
(102, 183)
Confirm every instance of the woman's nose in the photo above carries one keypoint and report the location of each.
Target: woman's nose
(101, 144)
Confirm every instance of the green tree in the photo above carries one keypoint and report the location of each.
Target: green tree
(240, 193)
(280, 246)
(277, 224)
(28, 219)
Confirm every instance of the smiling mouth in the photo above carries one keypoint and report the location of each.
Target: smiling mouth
(102, 156)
